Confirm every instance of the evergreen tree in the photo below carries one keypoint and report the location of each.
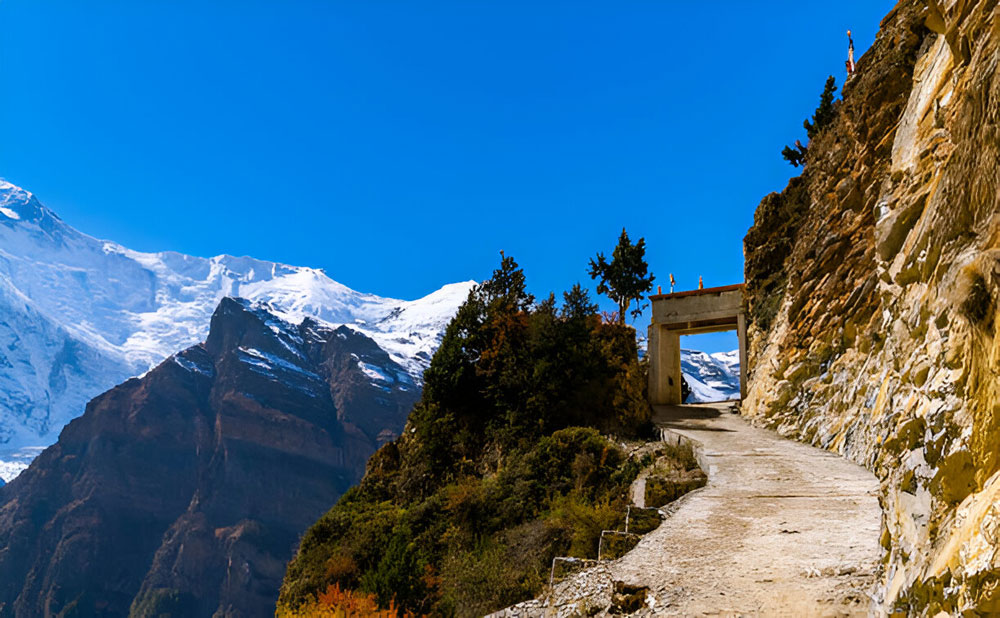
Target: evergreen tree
(576, 304)
(624, 278)
(547, 306)
(796, 156)
(506, 287)
(822, 118)
(476, 380)
(825, 113)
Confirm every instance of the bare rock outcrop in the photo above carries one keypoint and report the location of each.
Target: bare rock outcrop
(873, 283)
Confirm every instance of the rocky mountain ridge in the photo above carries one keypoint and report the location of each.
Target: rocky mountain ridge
(185, 491)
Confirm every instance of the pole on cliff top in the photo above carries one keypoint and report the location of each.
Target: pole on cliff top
(850, 55)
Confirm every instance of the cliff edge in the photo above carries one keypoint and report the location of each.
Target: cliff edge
(872, 286)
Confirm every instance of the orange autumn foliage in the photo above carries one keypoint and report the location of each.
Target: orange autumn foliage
(338, 603)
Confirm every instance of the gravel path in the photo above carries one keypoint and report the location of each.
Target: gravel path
(781, 529)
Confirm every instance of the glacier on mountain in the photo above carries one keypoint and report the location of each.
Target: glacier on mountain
(711, 377)
(78, 315)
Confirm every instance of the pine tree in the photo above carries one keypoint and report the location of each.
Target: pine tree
(795, 156)
(507, 287)
(624, 278)
(822, 118)
(576, 304)
(825, 113)
(547, 306)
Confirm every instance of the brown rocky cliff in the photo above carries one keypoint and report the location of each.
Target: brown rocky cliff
(185, 491)
(872, 285)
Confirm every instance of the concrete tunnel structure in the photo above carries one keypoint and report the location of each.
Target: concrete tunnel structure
(707, 310)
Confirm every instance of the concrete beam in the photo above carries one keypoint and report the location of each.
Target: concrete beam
(664, 347)
(688, 308)
(708, 326)
(741, 336)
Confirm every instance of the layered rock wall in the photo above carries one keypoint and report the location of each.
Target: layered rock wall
(872, 288)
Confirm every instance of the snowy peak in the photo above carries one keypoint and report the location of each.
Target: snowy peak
(711, 377)
(84, 314)
(429, 310)
(412, 330)
(16, 204)
(20, 208)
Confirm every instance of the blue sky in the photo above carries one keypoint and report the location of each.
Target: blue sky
(402, 145)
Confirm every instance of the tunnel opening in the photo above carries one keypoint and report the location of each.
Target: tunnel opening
(710, 367)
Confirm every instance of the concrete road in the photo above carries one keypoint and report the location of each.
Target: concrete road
(781, 528)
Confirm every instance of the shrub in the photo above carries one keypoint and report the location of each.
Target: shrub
(479, 580)
(584, 522)
(978, 303)
(337, 603)
(397, 578)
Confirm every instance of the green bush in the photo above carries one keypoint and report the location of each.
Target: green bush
(397, 576)
(478, 581)
(583, 522)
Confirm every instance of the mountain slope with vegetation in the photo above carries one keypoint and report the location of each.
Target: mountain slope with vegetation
(872, 287)
(501, 466)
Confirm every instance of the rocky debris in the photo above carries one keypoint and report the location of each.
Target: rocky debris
(563, 566)
(872, 283)
(185, 491)
(627, 599)
(586, 593)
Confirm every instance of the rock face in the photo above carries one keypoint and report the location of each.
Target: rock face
(185, 491)
(872, 285)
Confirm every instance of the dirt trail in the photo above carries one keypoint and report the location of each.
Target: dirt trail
(781, 529)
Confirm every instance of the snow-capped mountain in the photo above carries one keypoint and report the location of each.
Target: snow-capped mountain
(711, 377)
(79, 315)
(255, 432)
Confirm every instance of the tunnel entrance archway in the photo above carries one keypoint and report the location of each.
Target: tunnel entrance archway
(687, 313)
(710, 366)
